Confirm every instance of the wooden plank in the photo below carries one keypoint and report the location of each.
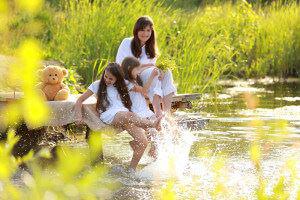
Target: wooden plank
(180, 104)
(8, 96)
(185, 97)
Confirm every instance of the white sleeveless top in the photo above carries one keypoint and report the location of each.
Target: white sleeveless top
(114, 99)
(139, 104)
(125, 51)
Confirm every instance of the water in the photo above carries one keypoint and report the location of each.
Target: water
(215, 162)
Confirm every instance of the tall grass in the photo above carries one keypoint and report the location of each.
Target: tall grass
(86, 34)
(213, 41)
(278, 42)
(228, 40)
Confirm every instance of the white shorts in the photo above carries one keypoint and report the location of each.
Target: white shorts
(108, 116)
(161, 88)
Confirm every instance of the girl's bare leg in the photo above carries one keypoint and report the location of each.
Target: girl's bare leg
(156, 103)
(140, 143)
(153, 149)
(151, 134)
(131, 118)
(140, 140)
(167, 102)
(143, 122)
(133, 145)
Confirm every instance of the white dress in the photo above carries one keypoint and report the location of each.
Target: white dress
(139, 104)
(160, 88)
(114, 99)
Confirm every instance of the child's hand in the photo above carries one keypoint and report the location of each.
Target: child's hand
(154, 72)
(145, 94)
(78, 113)
(161, 75)
(140, 89)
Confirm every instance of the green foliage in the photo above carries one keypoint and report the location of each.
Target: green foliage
(218, 41)
(165, 63)
(98, 29)
(71, 176)
(278, 41)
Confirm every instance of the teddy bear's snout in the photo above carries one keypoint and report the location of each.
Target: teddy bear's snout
(53, 79)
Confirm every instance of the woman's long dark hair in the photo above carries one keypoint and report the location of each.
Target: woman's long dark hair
(102, 101)
(150, 46)
(128, 64)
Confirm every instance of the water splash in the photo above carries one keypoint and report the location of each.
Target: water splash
(174, 144)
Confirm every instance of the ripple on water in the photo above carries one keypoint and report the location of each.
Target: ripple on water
(291, 113)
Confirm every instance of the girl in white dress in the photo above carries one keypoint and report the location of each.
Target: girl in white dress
(114, 105)
(140, 106)
(143, 47)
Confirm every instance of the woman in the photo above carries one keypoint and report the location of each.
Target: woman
(143, 47)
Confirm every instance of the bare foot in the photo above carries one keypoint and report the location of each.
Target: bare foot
(157, 123)
(152, 152)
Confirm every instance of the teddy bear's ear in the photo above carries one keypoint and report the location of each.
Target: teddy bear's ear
(65, 72)
(40, 73)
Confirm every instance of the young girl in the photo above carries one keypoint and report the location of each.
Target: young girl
(130, 66)
(114, 105)
(143, 47)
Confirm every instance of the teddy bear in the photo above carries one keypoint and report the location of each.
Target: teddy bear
(52, 86)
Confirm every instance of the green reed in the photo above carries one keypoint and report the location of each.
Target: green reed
(212, 42)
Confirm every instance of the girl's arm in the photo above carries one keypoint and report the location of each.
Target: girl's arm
(140, 89)
(145, 88)
(78, 104)
(150, 79)
(145, 66)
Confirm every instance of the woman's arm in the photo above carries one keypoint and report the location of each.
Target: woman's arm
(78, 104)
(123, 50)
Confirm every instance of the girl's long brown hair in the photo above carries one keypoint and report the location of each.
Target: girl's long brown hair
(102, 101)
(128, 64)
(150, 46)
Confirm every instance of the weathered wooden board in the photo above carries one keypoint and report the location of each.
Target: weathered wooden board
(179, 100)
(10, 96)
